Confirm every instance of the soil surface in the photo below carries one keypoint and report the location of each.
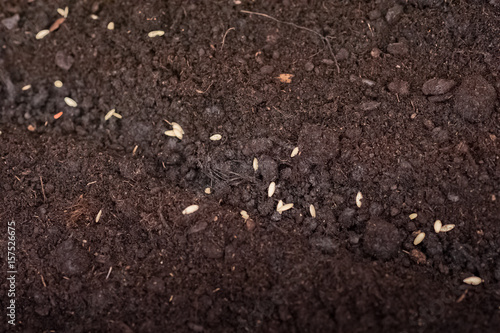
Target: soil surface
(397, 100)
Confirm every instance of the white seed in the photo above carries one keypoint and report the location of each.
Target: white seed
(437, 226)
(312, 210)
(63, 12)
(170, 133)
(191, 209)
(359, 197)
(179, 128)
(208, 190)
(285, 207)
(156, 33)
(280, 204)
(420, 237)
(447, 227)
(94, 17)
(216, 137)
(255, 164)
(26, 87)
(70, 102)
(473, 280)
(135, 150)
(178, 133)
(117, 115)
(271, 189)
(295, 151)
(98, 217)
(413, 216)
(111, 26)
(109, 114)
(58, 84)
(244, 214)
(42, 34)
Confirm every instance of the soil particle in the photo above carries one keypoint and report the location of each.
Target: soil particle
(324, 244)
(369, 106)
(308, 66)
(342, 55)
(418, 257)
(381, 239)
(64, 60)
(398, 49)
(268, 69)
(475, 99)
(11, 22)
(394, 14)
(399, 87)
(346, 218)
(437, 86)
(318, 144)
(72, 259)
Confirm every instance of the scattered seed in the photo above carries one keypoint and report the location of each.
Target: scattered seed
(63, 12)
(208, 190)
(437, 226)
(359, 197)
(70, 102)
(42, 34)
(156, 33)
(473, 280)
(271, 189)
(111, 26)
(175, 125)
(135, 150)
(216, 137)
(109, 114)
(191, 209)
(58, 84)
(26, 87)
(31, 128)
(312, 210)
(244, 214)
(285, 207)
(420, 237)
(255, 164)
(170, 133)
(98, 217)
(117, 115)
(413, 216)
(178, 133)
(58, 115)
(280, 204)
(447, 227)
(94, 17)
(295, 151)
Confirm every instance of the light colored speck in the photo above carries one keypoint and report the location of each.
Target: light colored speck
(280, 204)
(447, 227)
(156, 33)
(70, 102)
(42, 34)
(170, 133)
(413, 216)
(117, 115)
(178, 127)
(208, 190)
(295, 151)
(245, 215)
(420, 237)
(135, 150)
(109, 114)
(216, 137)
(271, 189)
(312, 210)
(359, 197)
(255, 164)
(94, 17)
(473, 280)
(58, 84)
(191, 209)
(111, 26)
(63, 12)
(438, 226)
(26, 87)
(98, 217)
(178, 133)
(285, 207)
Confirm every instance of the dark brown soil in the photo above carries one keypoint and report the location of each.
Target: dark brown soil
(374, 125)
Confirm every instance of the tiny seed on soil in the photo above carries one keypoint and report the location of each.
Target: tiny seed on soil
(98, 217)
(58, 115)
(295, 151)
(58, 84)
(178, 127)
(156, 33)
(413, 216)
(191, 209)
(255, 164)
(244, 214)
(26, 87)
(359, 197)
(280, 204)
(135, 150)
(70, 102)
(285, 207)
(170, 133)
(111, 26)
(216, 137)
(109, 114)
(94, 17)
(473, 280)
(420, 237)
(447, 227)
(31, 128)
(312, 210)
(178, 133)
(271, 189)
(42, 34)
(117, 115)
(208, 190)
(437, 226)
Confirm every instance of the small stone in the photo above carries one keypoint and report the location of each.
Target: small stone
(440, 98)
(375, 52)
(64, 61)
(200, 226)
(308, 66)
(369, 106)
(394, 14)
(475, 99)
(418, 257)
(11, 22)
(399, 87)
(343, 54)
(250, 224)
(266, 69)
(453, 197)
(374, 14)
(397, 49)
(437, 86)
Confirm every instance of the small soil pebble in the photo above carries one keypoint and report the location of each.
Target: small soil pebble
(11, 22)
(308, 66)
(381, 239)
(437, 86)
(399, 87)
(418, 257)
(64, 61)
(374, 14)
(475, 99)
(393, 14)
(267, 69)
(343, 54)
(369, 106)
(398, 49)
